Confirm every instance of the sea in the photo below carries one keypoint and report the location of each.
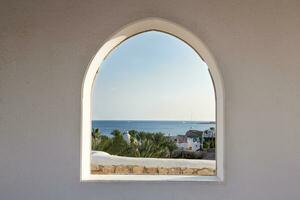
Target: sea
(170, 128)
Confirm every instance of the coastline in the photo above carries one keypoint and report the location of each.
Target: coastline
(168, 127)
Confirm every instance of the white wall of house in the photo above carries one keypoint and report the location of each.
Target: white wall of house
(183, 145)
(192, 144)
(46, 46)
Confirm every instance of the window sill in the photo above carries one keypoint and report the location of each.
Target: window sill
(150, 178)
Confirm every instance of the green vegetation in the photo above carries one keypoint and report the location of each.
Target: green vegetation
(209, 144)
(142, 144)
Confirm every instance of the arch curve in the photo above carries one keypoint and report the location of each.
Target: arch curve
(128, 31)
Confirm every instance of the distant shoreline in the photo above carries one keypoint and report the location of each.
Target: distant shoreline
(171, 128)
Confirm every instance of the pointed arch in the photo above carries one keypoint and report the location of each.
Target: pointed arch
(128, 31)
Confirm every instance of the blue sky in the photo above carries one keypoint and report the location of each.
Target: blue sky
(153, 76)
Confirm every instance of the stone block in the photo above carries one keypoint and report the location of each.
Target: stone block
(122, 169)
(151, 170)
(187, 171)
(163, 171)
(138, 170)
(108, 169)
(174, 171)
(205, 172)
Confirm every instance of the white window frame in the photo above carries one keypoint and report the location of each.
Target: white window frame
(132, 29)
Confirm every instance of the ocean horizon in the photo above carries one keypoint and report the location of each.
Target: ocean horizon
(168, 127)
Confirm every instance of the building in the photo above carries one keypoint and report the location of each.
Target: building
(210, 133)
(193, 139)
(181, 141)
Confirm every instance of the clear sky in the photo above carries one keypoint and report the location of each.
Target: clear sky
(153, 76)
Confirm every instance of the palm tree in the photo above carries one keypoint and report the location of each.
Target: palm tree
(95, 133)
(142, 144)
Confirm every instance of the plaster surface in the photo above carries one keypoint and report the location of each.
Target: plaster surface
(46, 46)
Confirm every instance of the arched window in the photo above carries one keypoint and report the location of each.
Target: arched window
(152, 107)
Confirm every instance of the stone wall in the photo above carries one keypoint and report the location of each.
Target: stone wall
(139, 170)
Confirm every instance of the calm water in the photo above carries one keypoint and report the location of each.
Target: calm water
(167, 127)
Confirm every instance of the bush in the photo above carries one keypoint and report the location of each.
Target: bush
(142, 144)
(187, 154)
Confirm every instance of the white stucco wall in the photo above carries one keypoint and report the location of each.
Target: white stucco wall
(103, 158)
(46, 46)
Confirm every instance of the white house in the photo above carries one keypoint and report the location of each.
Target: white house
(181, 141)
(193, 144)
(193, 139)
